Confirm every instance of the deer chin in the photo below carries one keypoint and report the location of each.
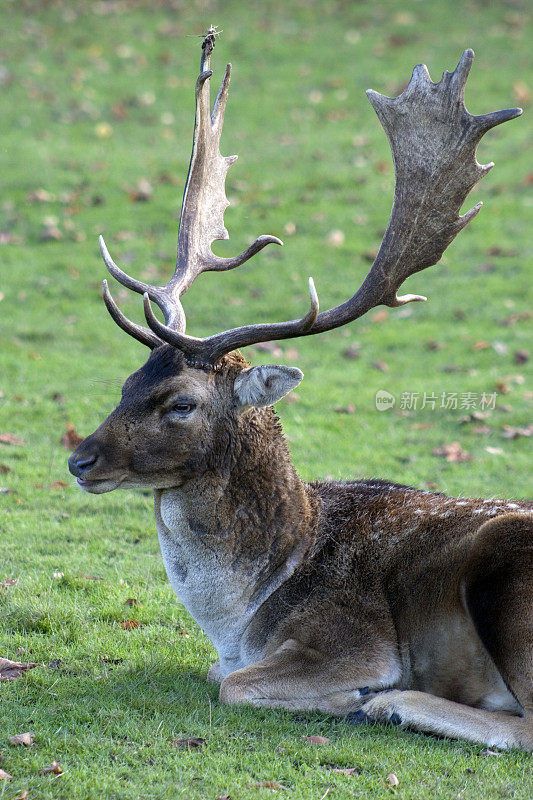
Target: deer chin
(100, 486)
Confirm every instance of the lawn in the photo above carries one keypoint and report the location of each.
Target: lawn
(97, 116)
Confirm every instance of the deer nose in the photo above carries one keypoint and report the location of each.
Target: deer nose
(78, 466)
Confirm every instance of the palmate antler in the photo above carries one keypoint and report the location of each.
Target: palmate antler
(433, 140)
(202, 214)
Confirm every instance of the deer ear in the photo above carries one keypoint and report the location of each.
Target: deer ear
(265, 385)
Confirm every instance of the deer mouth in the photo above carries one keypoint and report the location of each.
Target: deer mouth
(100, 485)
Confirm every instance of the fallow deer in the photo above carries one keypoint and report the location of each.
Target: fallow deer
(361, 598)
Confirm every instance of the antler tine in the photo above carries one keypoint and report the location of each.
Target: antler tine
(138, 332)
(210, 349)
(162, 295)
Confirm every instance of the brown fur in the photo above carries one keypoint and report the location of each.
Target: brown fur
(391, 587)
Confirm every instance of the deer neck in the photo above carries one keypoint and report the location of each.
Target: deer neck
(231, 537)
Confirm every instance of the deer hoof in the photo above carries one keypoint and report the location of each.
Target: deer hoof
(357, 718)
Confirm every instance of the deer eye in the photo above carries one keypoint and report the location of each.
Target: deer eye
(182, 408)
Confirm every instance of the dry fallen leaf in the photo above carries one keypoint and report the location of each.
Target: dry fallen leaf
(5, 776)
(352, 352)
(500, 348)
(392, 779)
(90, 577)
(316, 739)
(521, 356)
(488, 752)
(71, 439)
(51, 233)
(103, 130)
(27, 739)
(481, 430)
(474, 416)
(382, 366)
(7, 582)
(521, 93)
(511, 432)
(222, 797)
(130, 624)
(380, 316)
(335, 238)
(40, 196)
(53, 769)
(142, 192)
(131, 601)
(11, 670)
(269, 347)
(505, 252)
(349, 409)
(23, 795)
(370, 256)
(8, 238)
(453, 453)
(12, 438)
(191, 743)
(513, 318)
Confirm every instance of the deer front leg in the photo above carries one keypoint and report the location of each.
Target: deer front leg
(424, 712)
(300, 678)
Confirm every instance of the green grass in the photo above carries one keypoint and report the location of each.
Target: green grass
(312, 159)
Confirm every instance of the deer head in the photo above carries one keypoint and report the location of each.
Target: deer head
(179, 409)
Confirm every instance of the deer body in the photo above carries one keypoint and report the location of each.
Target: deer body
(365, 598)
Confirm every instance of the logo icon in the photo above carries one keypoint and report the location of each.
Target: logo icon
(384, 400)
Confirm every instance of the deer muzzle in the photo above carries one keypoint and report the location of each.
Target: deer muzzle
(85, 464)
